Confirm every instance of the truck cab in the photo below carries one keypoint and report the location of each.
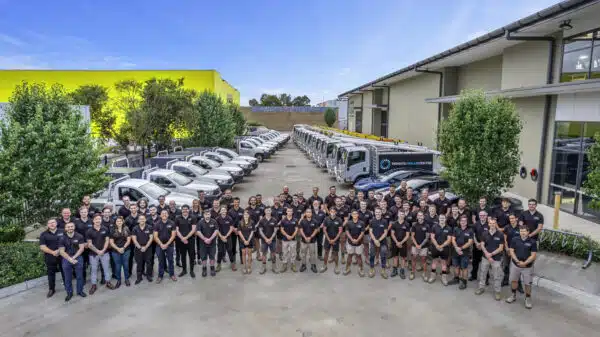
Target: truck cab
(233, 155)
(248, 148)
(236, 172)
(176, 182)
(336, 157)
(221, 159)
(137, 189)
(352, 164)
(193, 171)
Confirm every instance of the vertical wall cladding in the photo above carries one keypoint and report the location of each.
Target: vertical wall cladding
(481, 75)
(410, 118)
(353, 103)
(525, 64)
(367, 116)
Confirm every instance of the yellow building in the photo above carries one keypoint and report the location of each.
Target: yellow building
(199, 80)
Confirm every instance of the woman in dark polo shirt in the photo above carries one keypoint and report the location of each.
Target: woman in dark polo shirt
(120, 239)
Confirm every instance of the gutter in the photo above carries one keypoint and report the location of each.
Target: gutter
(440, 94)
(542, 15)
(547, 104)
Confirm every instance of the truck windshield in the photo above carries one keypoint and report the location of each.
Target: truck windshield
(330, 148)
(153, 191)
(179, 179)
(198, 171)
(212, 163)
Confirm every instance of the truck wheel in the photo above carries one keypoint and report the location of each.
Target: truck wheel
(259, 157)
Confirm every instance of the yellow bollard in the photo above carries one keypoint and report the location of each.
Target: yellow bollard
(557, 201)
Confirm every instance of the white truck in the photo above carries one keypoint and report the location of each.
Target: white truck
(137, 189)
(234, 155)
(235, 171)
(245, 147)
(176, 182)
(193, 171)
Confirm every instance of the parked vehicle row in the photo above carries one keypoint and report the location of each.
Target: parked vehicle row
(183, 174)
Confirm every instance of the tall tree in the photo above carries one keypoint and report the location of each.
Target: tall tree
(237, 118)
(48, 158)
(96, 96)
(480, 145)
(285, 99)
(210, 123)
(592, 183)
(253, 102)
(136, 128)
(269, 100)
(301, 101)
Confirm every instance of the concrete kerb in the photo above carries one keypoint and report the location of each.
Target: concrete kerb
(24, 286)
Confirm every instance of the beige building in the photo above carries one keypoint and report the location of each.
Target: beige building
(547, 63)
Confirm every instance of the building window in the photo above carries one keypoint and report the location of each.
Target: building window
(570, 166)
(581, 57)
(229, 98)
(358, 121)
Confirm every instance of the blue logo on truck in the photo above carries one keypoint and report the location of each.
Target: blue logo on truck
(385, 164)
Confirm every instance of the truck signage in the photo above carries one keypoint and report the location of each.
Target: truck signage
(405, 160)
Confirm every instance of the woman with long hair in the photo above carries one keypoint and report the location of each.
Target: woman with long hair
(120, 239)
(246, 233)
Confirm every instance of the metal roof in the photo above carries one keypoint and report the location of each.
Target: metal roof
(542, 15)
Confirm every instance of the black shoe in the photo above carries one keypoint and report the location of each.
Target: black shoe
(192, 274)
(50, 293)
(504, 283)
(102, 282)
(303, 268)
(82, 294)
(463, 285)
(313, 268)
(454, 281)
(213, 272)
(149, 278)
(179, 264)
(204, 272)
(402, 274)
(138, 281)
(69, 297)
(183, 273)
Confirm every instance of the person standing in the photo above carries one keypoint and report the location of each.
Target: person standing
(255, 213)
(523, 252)
(483, 207)
(124, 210)
(462, 240)
(309, 228)
(49, 245)
(481, 226)
(227, 199)
(319, 215)
(173, 214)
(510, 232)
(98, 241)
(420, 238)
(86, 203)
(442, 204)
(330, 198)
(288, 227)
(207, 230)
(533, 219)
(400, 236)
(343, 213)
(441, 239)
(131, 221)
(502, 214)
(225, 234)
(71, 245)
(82, 225)
(355, 231)
(332, 231)
(350, 198)
(142, 237)
(64, 219)
(365, 216)
(492, 245)
(286, 198)
(164, 235)
(235, 213)
(204, 202)
(162, 205)
(143, 207)
(246, 231)
(378, 230)
(267, 229)
(185, 226)
(120, 239)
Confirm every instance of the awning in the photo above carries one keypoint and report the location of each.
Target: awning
(539, 90)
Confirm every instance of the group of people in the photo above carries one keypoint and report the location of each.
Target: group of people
(498, 244)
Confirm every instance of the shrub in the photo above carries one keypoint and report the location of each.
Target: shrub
(11, 233)
(21, 261)
(330, 117)
(565, 244)
(254, 123)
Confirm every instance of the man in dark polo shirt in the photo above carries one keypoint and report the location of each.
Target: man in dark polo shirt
(330, 198)
(492, 246)
(71, 245)
(400, 240)
(441, 239)
(164, 235)
(97, 241)
(315, 196)
(355, 230)
(378, 229)
(350, 198)
(185, 225)
(332, 230)
(442, 204)
(207, 231)
(235, 213)
(49, 242)
(162, 205)
(267, 229)
(309, 228)
(502, 213)
(420, 238)
(462, 240)
(533, 219)
(523, 252)
(510, 232)
(142, 236)
(64, 219)
(224, 243)
(464, 210)
(479, 228)
(483, 206)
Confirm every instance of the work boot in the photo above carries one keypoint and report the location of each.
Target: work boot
(127, 284)
(283, 268)
(336, 269)
(102, 282)
(68, 298)
(82, 294)
(528, 303)
(479, 291)
(432, 277)
(263, 269)
(361, 272)
(454, 281)
(313, 268)
(118, 284)
(444, 279)
(218, 267)
(323, 269)
(173, 278)
(158, 280)
(371, 272)
(303, 268)
(213, 272)
(149, 278)
(394, 272)
(383, 273)
(274, 267)
(93, 289)
(294, 269)
(402, 274)
(411, 276)
(50, 293)
(233, 268)
(138, 281)
(192, 274)
(511, 298)
(204, 271)
(498, 296)
(463, 285)
(183, 273)
(347, 271)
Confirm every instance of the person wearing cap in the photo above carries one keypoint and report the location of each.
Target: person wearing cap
(523, 252)
(492, 246)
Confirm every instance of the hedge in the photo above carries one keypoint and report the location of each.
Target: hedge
(21, 261)
(566, 245)
(11, 233)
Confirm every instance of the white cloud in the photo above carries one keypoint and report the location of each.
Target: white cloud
(11, 40)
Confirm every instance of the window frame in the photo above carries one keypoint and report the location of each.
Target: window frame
(595, 39)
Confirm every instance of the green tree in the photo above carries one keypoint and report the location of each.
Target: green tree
(237, 118)
(210, 123)
(285, 99)
(592, 183)
(253, 102)
(480, 145)
(330, 117)
(269, 100)
(136, 126)
(48, 159)
(96, 96)
(301, 101)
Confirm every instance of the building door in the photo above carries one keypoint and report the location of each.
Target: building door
(358, 123)
(384, 124)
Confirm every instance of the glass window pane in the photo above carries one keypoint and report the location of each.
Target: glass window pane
(585, 210)
(567, 203)
(565, 168)
(589, 130)
(596, 58)
(576, 59)
(568, 136)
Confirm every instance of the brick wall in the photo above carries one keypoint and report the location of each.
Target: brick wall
(284, 121)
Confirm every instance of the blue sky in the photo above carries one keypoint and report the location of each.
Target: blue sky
(319, 48)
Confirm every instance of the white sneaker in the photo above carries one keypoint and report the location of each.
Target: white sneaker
(511, 298)
(528, 303)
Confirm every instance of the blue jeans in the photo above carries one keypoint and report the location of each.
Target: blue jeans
(165, 257)
(68, 271)
(121, 261)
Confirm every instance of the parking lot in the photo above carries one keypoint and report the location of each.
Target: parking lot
(302, 304)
